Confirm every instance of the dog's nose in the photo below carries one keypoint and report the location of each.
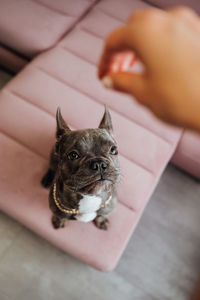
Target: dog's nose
(98, 165)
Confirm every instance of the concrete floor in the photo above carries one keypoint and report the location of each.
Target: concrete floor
(161, 262)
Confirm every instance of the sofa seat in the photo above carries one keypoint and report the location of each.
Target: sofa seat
(28, 27)
(65, 76)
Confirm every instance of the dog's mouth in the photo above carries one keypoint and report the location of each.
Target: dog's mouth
(95, 185)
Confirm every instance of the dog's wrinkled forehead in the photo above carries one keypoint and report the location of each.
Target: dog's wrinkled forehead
(89, 140)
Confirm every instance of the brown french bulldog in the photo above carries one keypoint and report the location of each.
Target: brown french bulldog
(83, 172)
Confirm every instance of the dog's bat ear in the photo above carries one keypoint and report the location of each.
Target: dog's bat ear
(62, 127)
(106, 122)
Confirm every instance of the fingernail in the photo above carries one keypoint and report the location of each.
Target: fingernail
(107, 82)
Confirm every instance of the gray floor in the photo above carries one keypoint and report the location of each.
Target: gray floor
(162, 260)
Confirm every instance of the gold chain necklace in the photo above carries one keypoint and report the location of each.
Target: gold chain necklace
(72, 211)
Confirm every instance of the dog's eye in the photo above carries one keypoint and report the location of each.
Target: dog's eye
(73, 155)
(113, 150)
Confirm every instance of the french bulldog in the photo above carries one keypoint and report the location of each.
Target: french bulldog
(83, 173)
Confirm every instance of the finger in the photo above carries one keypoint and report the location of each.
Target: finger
(134, 36)
(133, 84)
(187, 15)
(115, 42)
(123, 38)
(183, 12)
(150, 13)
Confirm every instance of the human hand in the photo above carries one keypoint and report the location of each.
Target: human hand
(168, 44)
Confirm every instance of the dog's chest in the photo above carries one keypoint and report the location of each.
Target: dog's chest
(88, 207)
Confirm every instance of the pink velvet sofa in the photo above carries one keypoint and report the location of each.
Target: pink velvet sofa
(56, 45)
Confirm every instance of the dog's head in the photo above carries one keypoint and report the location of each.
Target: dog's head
(88, 159)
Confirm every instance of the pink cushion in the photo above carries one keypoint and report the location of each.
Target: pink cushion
(187, 154)
(30, 27)
(68, 7)
(26, 201)
(120, 9)
(66, 76)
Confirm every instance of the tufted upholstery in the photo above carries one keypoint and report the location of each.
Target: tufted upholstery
(32, 26)
(65, 76)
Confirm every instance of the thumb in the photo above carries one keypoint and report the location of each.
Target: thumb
(133, 84)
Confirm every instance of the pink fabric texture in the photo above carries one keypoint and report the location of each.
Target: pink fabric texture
(32, 26)
(69, 7)
(65, 76)
(187, 154)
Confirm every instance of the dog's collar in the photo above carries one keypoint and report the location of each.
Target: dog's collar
(72, 211)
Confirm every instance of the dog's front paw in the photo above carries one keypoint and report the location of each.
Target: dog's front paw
(101, 222)
(58, 222)
(48, 178)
